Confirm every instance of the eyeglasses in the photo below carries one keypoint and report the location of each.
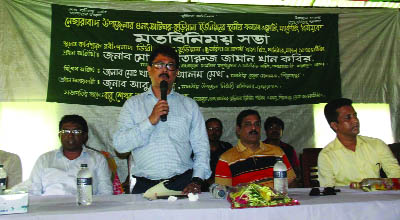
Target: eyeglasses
(161, 65)
(274, 126)
(214, 129)
(74, 132)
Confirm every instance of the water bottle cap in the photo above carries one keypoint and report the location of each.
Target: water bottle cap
(221, 193)
(84, 165)
(354, 185)
(1, 165)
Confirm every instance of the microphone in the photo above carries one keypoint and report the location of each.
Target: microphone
(164, 89)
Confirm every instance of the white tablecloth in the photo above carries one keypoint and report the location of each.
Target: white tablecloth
(347, 204)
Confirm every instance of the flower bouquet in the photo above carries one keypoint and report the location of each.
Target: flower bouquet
(255, 195)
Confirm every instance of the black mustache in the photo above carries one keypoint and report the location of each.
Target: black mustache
(253, 132)
(164, 74)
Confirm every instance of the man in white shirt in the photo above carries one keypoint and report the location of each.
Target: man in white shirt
(55, 172)
(13, 167)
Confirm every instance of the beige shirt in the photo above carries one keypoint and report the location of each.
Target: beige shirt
(339, 166)
(13, 167)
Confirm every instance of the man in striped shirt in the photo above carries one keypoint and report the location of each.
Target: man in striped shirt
(250, 160)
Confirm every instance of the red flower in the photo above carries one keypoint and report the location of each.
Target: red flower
(244, 199)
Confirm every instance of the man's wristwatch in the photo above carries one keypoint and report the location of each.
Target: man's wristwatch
(197, 180)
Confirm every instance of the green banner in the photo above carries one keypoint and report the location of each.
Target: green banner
(99, 56)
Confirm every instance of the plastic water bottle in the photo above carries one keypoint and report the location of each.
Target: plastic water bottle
(3, 179)
(218, 191)
(84, 186)
(280, 177)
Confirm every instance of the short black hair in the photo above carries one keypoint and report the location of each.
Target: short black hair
(214, 119)
(77, 119)
(165, 50)
(244, 114)
(274, 120)
(330, 112)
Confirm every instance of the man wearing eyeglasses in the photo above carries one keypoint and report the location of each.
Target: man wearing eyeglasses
(161, 150)
(250, 160)
(55, 172)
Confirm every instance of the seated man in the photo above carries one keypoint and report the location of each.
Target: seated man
(217, 147)
(250, 160)
(274, 127)
(55, 172)
(351, 157)
(13, 167)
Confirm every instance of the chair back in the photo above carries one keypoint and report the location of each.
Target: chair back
(309, 164)
(395, 147)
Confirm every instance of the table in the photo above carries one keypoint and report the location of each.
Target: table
(347, 204)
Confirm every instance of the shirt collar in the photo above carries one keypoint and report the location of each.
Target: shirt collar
(60, 153)
(339, 144)
(241, 147)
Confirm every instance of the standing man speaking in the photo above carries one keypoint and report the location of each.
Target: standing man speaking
(161, 149)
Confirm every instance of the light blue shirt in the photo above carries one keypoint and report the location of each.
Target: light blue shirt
(54, 174)
(163, 150)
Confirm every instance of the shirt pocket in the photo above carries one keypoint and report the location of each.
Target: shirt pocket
(179, 127)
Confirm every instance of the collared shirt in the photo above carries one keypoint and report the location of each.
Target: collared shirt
(54, 174)
(163, 150)
(241, 165)
(339, 166)
(13, 167)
